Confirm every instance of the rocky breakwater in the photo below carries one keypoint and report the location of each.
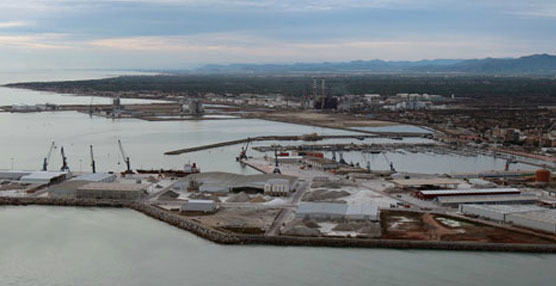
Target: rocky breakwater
(176, 220)
(184, 223)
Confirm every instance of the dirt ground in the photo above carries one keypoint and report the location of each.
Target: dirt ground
(244, 220)
(323, 119)
(418, 226)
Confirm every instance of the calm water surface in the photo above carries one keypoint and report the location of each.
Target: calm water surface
(90, 246)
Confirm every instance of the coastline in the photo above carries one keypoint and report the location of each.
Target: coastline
(222, 237)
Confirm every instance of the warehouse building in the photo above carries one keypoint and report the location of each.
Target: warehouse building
(338, 211)
(321, 163)
(497, 212)
(205, 206)
(538, 220)
(67, 189)
(44, 177)
(455, 201)
(34, 177)
(223, 183)
(112, 191)
(96, 177)
(432, 194)
(288, 159)
(420, 183)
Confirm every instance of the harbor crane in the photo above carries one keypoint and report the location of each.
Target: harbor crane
(276, 168)
(126, 158)
(509, 161)
(65, 167)
(243, 153)
(392, 169)
(93, 165)
(342, 161)
(47, 158)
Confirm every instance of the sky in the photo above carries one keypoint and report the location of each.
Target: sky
(182, 34)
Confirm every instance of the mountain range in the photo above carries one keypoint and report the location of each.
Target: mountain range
(533, 64)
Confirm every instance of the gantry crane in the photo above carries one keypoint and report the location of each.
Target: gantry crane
(126, 158)
(47, 158)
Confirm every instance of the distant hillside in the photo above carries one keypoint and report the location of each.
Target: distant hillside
(534, 64)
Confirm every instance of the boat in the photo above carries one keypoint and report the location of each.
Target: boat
(187, 170)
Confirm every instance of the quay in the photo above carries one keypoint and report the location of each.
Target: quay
(225, 237)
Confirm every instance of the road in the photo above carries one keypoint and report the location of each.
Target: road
(274, 229)
(154, 196)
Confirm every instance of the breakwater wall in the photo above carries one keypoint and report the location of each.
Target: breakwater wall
(397, 244)
(182, 222)
(223, 237)
(266, 138)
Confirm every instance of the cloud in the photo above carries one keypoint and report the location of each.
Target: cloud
(34, 41)
(13, 24)
(236, 47)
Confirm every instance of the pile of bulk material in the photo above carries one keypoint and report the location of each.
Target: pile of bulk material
(300, 228)
(239, 198)
(321, 195)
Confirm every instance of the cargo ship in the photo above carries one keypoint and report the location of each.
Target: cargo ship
(188, 169)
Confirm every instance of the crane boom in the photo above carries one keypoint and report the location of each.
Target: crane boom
(47, 158)
(93, 165)
(126, 158)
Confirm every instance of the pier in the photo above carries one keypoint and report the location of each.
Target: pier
(267, 138)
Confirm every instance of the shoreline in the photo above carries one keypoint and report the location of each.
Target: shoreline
(222, 237)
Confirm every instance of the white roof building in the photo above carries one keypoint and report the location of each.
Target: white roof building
(338, 211)
(539, 220)
(497, 212)
(96, 177)
(43, 177)
(206, 206)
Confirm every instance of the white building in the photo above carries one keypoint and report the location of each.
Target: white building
(366, 211)
(96, 177)
(277, 187)
(539, 220)
(529, 216)
(288, 159)
(206, 206)
(112, 191)
(196, 106)
(43, 177)
(497, 212)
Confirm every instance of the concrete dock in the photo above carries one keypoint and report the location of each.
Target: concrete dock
(266, 138)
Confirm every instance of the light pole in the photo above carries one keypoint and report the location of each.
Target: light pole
(12, 159)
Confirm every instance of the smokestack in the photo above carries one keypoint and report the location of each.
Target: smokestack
(323, 87)
(314, 91)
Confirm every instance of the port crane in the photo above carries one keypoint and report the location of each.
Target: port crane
(65, 167)
(276, 167)
(93, 165)
(243, 153)
(509, 161)
(47, 158)
(392, 169)
(342, 161)
(126, 158)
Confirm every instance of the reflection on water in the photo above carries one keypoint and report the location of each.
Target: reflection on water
(90, 246)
